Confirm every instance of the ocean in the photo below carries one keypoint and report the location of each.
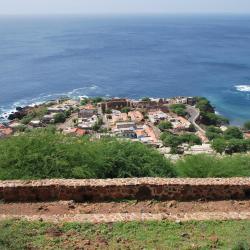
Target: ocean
(43, 58)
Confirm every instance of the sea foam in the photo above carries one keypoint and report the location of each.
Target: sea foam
(90, 90)
(243, 88)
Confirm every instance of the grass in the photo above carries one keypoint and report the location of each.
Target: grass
(20, 234)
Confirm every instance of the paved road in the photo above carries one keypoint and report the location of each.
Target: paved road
(194, 115)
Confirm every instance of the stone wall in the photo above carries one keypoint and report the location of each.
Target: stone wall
(134, 188)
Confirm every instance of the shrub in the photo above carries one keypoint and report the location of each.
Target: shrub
(213, 132)
(163, 125)
(233, 133)
(203, 166)
(179, 109)
(125, 109)
(60, 118)
(44, 154)
(219, 145)
(247, 125)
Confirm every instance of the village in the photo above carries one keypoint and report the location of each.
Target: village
(146, 120)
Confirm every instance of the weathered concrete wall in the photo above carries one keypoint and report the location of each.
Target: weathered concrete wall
(136, 188)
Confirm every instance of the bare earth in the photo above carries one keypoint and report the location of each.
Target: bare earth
(69, 211)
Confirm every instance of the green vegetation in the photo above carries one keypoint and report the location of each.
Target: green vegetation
(126, 110)
(36, 113)
(164, 125)
(93, 100)
(97, 126)
(228, 235)
(247, 125)
(202, 166)
(179, 109)
(231, 146)
(230, 141)
(213, 132)
(60, 118)
(207, 112)
(44, 154)
(173, 141)
(146, 99)
(233, 133)
(96, 100)
(84, 101)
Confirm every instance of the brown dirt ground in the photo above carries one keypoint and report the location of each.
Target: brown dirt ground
(70, 207)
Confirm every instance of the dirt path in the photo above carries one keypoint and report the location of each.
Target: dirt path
(126, 211)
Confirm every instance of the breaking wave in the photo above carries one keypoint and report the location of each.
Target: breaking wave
(243, 88)
(90, 90)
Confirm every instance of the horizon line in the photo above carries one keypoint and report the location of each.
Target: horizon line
(126, 14)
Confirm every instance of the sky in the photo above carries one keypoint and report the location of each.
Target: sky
(32, 7)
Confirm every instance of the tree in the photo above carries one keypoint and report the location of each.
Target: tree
(213, 119)
(179, 109)
(44, 154)
(84, 101)
(97, 100)
(163, 125)
(213, 132)
(192, 128)
(233, 133)
(60, 118)
(204, 105)
(97, 126)
(247, 125)
(204, 166)
(236, 146)
(191, 139)
(125, 110)
(219, 145)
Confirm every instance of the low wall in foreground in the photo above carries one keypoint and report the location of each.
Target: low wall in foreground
(133, 188)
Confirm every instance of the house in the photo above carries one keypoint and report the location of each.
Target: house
(86, 113)
(151, 133)
(49, 118)
(117, 103)
(122, 125)
(75, 131)
(136, 116)
(114, 117)
(179, 123)
(58, 109)
(125, 129)
(87, 123)
(178, 100)
(146, 104)
(191, 101)
(157, 116)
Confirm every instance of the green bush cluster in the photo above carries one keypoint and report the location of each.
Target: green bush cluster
(202, 166)
(230, 141)
(35, 113)
(207, 113)
(179, 109)
(164, 125)
(173, 141)
(44, 154)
